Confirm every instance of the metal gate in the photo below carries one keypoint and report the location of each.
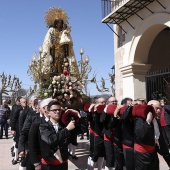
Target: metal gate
(158, 85)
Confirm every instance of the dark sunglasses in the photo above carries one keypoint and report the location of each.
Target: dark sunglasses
(55, 110)
(114, 101)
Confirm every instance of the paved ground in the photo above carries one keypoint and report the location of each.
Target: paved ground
(80, 164)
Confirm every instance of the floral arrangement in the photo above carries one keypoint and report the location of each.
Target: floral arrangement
(63, 84)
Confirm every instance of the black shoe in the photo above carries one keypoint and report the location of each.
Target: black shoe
(12, 148)
(14, 162)
(13, 154)
(74, 157)
(87, 138)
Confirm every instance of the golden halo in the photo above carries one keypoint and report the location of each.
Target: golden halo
(55, 13)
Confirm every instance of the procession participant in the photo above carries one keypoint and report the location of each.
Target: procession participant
(33, 137)
(108, 133)
(30, 116)
(23, 140)
(15, 129)
(149, 140)
(14, 107)
(90, 109)
(13, 110)
(24, 113)
(53, 139)
(165, 120)
(98, 151)
(116, 125)
(128, 134)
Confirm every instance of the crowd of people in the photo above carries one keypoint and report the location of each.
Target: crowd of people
(127, 136)
(44, 133)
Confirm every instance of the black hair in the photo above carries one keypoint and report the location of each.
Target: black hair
(9, 101)
(124, 101)
(51, 104)
(164, 99)
(18, 99)
(35, 102)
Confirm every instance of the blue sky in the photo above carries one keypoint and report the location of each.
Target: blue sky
(23, 29)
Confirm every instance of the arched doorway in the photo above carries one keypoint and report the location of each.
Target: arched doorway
(147, 45)
(158, 79)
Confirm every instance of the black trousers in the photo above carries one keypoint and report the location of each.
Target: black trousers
(63, 166)
(4, 127)
(99, 150)
(129, 158)
(146, 161)
(109, 150)
(119, 158)
(91, 144)
(29, 165)
(166, 134)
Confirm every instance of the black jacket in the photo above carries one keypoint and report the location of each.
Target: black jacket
(167, 114)
(23, 138)
(15, 118)
(22, 118)
(105, 119)
(116, 124)
(98, 126)
(144, 134)
(34, 140)
(127, 127)
(51, 141)
(162, 149)
(90, 119)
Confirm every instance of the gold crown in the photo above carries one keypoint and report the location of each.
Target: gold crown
(55, 13)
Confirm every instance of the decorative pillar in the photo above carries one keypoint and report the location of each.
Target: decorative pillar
(134, 80)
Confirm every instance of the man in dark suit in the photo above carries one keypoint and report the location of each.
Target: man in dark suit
(32, 115)
(13, 110)
(165, 120)
(149, 140)
(15, 129)
(33, 137)
(53, 139)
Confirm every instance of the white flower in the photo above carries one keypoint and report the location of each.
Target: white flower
(55, 78)
(53, 82)
(45, 94)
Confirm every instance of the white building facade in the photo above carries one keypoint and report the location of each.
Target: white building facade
(141, 43)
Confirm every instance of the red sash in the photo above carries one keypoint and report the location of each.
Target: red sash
(91, 131)
(126, 147)
(106, 138)
(163, 117)
(56, 162)
(144, 148)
